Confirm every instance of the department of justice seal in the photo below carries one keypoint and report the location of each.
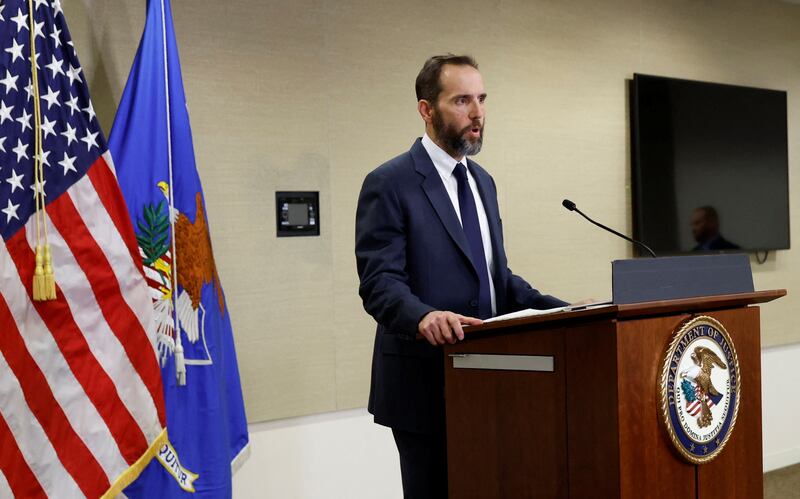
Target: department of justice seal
(700, 389)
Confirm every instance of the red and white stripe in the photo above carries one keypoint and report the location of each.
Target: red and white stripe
(5, 488)
(693, 408)
(155, 280)
(79, 380)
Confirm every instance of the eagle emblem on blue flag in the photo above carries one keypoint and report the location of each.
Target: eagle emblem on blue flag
(195, 269)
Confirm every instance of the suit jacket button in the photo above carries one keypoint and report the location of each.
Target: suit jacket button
(473, 303)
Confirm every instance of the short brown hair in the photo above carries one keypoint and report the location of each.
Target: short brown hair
(428, 86)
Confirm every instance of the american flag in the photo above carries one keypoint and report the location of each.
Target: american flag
(81, 402)
(693, 408)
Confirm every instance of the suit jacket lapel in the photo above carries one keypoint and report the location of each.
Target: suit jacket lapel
(437, 195)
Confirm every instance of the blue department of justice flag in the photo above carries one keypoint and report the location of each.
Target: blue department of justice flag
(151, 143)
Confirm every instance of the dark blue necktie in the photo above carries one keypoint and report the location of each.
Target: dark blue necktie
(472, 229)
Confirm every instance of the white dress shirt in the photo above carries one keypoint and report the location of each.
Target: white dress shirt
(445, 165)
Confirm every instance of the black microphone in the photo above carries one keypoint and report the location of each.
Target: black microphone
(571, 207)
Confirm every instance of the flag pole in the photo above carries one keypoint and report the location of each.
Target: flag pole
(180, 364)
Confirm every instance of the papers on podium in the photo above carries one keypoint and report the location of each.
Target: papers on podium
(531, 312)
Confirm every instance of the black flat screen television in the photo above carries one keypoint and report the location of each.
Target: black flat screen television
(710, 166)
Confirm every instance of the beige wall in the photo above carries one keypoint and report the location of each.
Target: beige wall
(313, 94)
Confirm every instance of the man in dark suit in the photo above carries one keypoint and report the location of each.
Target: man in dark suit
(430, 258)
(705, 229)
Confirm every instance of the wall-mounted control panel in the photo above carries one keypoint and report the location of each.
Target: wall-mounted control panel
(297, 213)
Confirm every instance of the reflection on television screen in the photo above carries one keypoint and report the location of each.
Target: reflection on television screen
(710, 166)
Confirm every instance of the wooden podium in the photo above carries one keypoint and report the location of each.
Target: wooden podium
(567, 405)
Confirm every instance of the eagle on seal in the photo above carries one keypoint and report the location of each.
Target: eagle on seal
(705, 359)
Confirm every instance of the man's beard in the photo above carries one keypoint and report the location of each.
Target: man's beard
(453, 140)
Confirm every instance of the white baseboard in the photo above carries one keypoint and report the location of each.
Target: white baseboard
(781, 459)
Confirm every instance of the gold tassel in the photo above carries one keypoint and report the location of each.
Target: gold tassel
(44, 285)
(38, 276)
(49, 277)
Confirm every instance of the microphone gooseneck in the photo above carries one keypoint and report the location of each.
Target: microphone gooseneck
(572, 207)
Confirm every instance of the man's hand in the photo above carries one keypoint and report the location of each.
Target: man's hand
(445, 327)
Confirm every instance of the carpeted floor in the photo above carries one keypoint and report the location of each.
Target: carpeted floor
(783, 483)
